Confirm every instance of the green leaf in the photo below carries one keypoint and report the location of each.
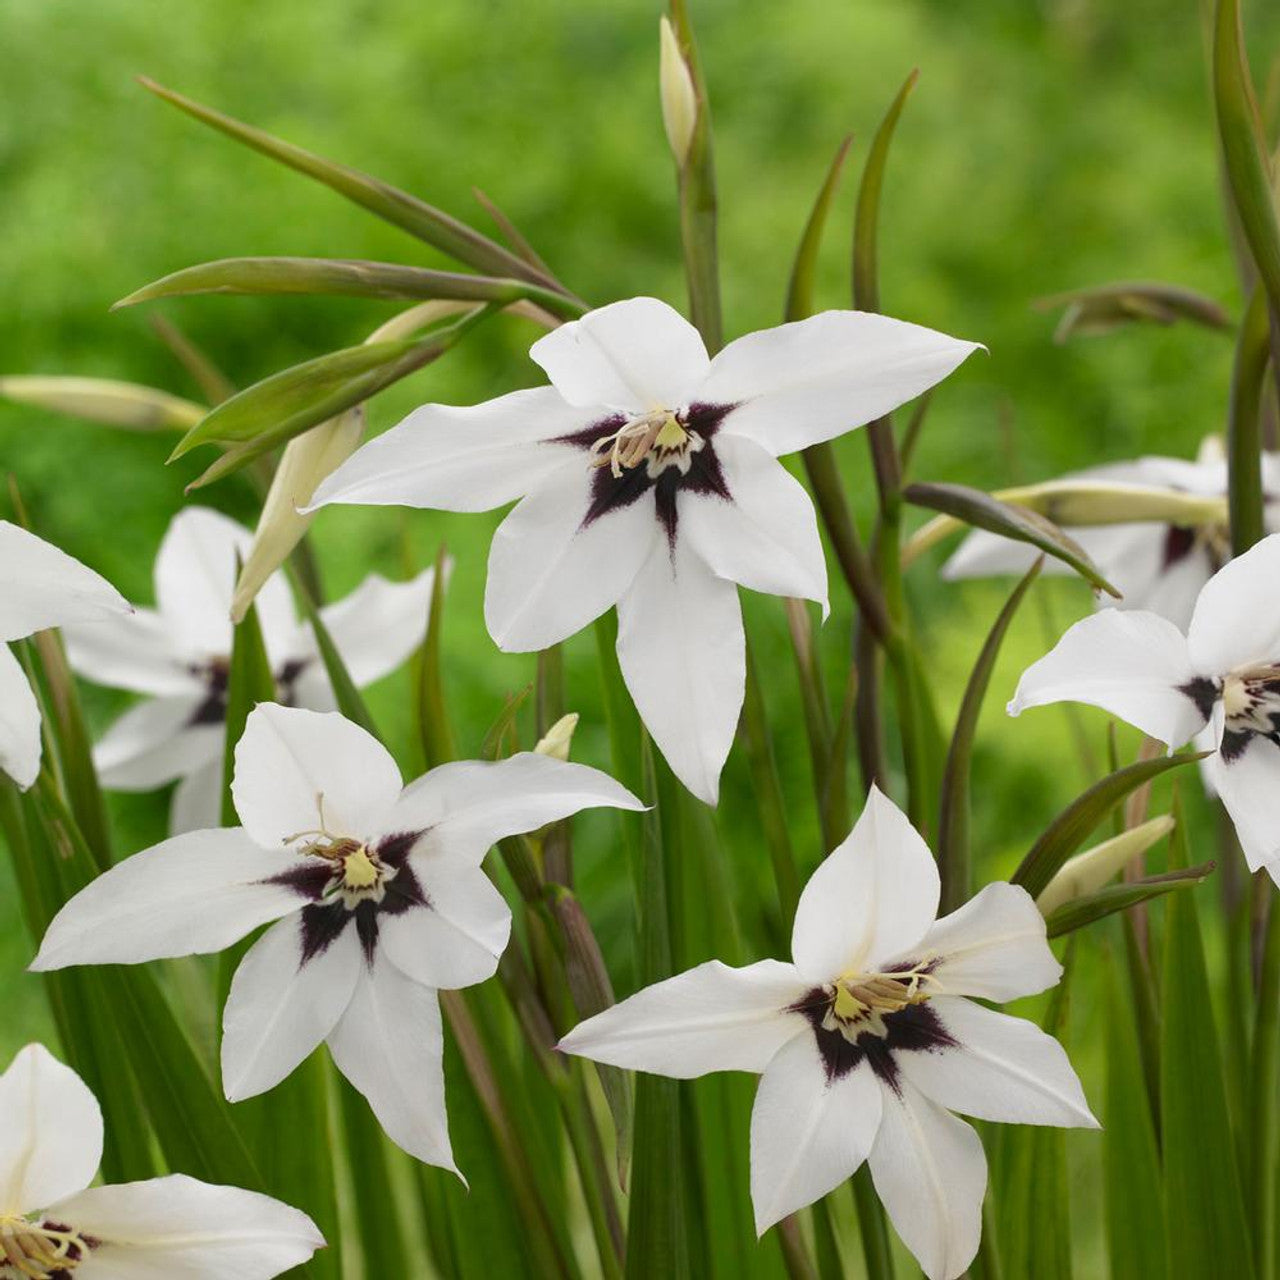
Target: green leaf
(350, 701)
(435, 731)
(1106, 307)
(800, 289)
(1120, 897)
(1244, 428)
(407, 212)
(249, 681)
(1208, 1232)
(954, 857)
(983, 511)
(1069, 830)
(346, 277)
(114, 404)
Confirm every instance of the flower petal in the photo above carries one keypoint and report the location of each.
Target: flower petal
(765, 535)
(873, 897)
(552, 570)
(157, 741)
(380, 624)
(1237, 618)
(683, 656)
(131, 652)
(289, 760)
(188, 896)
(712, 1018)
(1134, 665)
(390, 1045)
(635, 355)
(808, 1132)
(20, 745)
(196, 804)
(1001, 1068)
(50, 1132)
(456, 940)
(43, 587)
(930, 1172)
(1248, 785)
(282, 1006)
(469, 805)
(993, 947)
(815, 379)
(459, 458)
(177, 1228)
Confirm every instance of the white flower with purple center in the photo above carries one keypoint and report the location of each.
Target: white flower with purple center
(1220, 683)
(55, 1226)
(648, 479)
(179, 655)
(869, 1039)
(40, 587)
(376, 891)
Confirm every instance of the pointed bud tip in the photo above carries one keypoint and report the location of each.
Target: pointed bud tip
(679, 96)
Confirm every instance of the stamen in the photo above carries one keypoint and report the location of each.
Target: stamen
(658, 435)
(40, 1251)
(359, 874)
(864, 998)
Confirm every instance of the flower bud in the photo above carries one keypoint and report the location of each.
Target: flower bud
(1089, 871)
(306, 461)
(679, 97)
(558, 738)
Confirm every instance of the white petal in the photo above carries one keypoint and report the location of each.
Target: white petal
(712, 1018)
(818, 378)
(390, 1045)
(131, 652)
(635, 355)
(1171, 590)
(931, 1174)
(289, 759)
(808, 1133)
(683, 657)
(469, 805)
(42, 587)
(50, 1132)
(379, 624)
(1237, 618)
(281, 1007)
(1248, 786)
(993, 947)
(765, 536)
(1001, 1068)
(552, 571)
(1133, 665)
(195, 575)
(984, 554)
(188, 896)
(155, 742)
(873, 897)
(197, 800)
(176, 1228)
(459, 458)
(456, 940)
(20, 745)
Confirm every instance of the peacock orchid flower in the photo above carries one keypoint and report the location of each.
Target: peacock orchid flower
(178, 654)
(869, 1039)
(649, 479)
(55, 1226)
(376, 893)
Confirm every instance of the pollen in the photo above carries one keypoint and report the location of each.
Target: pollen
(40, 1250)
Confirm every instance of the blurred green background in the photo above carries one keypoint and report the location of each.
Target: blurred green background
(1049, 145)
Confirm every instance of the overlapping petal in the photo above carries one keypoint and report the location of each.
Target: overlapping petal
(132, 651)
(20, 746)
(711, 1018)
(1237, 618)
(157, 741)
(1248, 785)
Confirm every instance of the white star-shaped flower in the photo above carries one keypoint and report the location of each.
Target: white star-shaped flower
(376, 890)
(1219, 683)
(54, 1225)
(40, 587)
(179, 655)
(648, 479)
(869, 1039)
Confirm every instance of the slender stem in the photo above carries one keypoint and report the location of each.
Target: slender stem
(1263, 1110)
(1244, 443)
(871, 1225)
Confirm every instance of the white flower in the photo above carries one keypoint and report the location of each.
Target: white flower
(867, 1041)
(40, 587)
(1223, 675)
(179, 654)
(1157, 567)
(54, 1226)
(649, 479)
(377, 892)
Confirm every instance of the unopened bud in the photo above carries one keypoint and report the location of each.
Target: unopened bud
(558, 739)
(1089, 871)
(679, 97)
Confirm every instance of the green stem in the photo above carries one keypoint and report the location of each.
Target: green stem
(871, 1225)
(1244, 443)
(1263, 1110)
